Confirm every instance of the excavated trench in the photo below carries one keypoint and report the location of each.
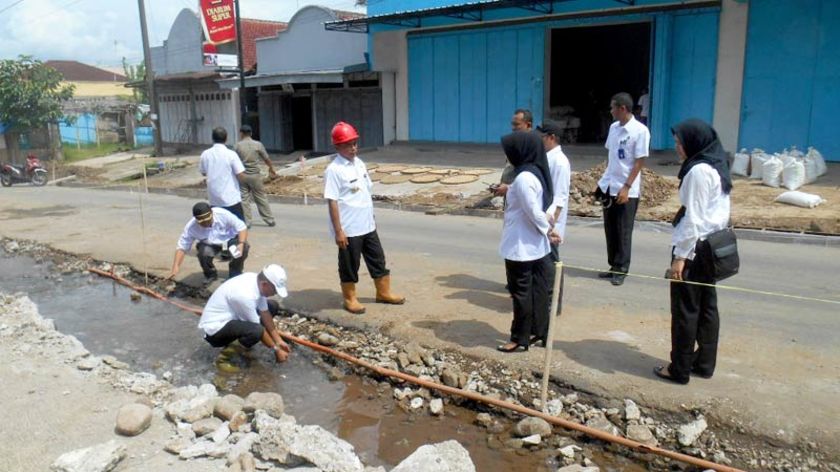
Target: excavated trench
(152, 336)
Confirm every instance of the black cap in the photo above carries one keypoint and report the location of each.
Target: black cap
(201, 211)
(246, 129)
(550, 127)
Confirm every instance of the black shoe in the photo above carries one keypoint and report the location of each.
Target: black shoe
(539, 341)
(271, 225)
(516, 347)
(700, 373)
(208, 278)
(605, 275)
(617, 279)
(664, 372)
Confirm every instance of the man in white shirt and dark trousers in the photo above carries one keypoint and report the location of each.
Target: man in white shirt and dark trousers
(223, 170)
(628, 142)
(705, 185)
(561, 175)
(218, 232)
(239, 311)
(347, 189)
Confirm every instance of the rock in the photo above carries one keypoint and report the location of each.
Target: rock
(554, 407)
(402, 393)
(193, 409)
(243, 445)
(532, 425)
(484, 419)
(100, 458)
(569, 451)
(688, 433)
(175, 446)
(416, 403)
(322, 449)
(402, 360)
(436, 406)
(274, 438)
(570, 399)
(326, 339)
(240, 422)
(89, 363)
(113, 362)
(514, 443)
(450, 377)
(415, 353)
(202, 448)
(206, 426)
(221, 433)
(429, 359)
(448, 456)
(642, 434)
(270, 402)
(133, 419)
(631, 411)
(602, 423)
(532, 440)
(12, 246)
(578, 468)
(227, 406)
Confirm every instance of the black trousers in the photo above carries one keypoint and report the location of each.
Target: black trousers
(206, 253)
(247, 333)
(618, 226)
(349, 258)
(528, 283)
(236, 209)
(695, 322)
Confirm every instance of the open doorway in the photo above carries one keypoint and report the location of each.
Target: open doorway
(588, 66)
(302, 122)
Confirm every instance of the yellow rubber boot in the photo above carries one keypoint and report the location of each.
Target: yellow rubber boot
(351, 303)
(383, 292)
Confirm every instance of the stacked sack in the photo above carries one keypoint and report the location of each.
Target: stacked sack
(790, 169)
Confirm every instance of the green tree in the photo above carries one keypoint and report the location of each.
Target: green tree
(135, 74)
(31, 96)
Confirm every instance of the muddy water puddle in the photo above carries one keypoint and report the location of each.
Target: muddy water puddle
(156, 337)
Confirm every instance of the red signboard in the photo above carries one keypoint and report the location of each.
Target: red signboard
(218, 21)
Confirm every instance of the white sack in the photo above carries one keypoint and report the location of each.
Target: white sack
(793, 174)
(801, 199)
(771, 172)
(757, 159)
(741, 163)
(818, 158)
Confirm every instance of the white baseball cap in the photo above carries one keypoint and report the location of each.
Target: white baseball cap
(277, 276)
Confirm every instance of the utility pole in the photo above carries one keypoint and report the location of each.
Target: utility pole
(150, 80)
(242, 108)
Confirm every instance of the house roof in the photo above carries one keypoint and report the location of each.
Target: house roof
(252, 30)
(74, 71)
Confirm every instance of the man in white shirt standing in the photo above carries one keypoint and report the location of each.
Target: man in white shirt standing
(561, 175)
(628, 142)
(644, 107)
(238, 311)
(223, 170)
(218, 232)
(347, 189)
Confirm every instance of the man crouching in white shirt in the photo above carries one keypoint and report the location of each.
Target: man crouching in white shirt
(238, 311)
(218, 232)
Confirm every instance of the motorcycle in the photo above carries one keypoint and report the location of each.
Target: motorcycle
(33, 172)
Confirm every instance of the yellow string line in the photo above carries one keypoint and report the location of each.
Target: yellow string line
(725, 287)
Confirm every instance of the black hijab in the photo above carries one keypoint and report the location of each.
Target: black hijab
(701, 145)
(525, 152)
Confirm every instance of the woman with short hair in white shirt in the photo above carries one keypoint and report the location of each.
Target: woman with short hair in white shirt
(705, 184)
(525, 240)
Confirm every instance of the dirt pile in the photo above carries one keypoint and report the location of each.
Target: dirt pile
(655, 188)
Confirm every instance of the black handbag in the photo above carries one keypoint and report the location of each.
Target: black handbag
(723, 248)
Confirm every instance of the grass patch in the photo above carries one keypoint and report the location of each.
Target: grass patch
(74, 154)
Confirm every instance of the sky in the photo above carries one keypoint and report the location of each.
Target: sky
(102, 32)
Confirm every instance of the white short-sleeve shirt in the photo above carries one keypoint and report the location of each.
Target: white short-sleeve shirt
(625, 144)
(221, 166)
(525, 231)
(237, 299)
(347, 182)
(561, 175)
(225, 226)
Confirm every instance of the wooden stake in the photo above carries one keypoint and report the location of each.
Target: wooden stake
(549, 342)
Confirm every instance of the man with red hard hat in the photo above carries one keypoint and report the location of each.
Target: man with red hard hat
(347, 190)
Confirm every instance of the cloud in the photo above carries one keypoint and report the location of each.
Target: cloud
(102, 32)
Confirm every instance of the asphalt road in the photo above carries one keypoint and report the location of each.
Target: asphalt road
(779, 362)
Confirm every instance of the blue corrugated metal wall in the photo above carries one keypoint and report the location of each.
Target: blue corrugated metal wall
(82, 131)
(792, 76)
(464, 85)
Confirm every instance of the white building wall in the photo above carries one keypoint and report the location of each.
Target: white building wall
(390, 54)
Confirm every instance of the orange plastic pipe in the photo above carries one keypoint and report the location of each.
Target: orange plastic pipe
(591, 432)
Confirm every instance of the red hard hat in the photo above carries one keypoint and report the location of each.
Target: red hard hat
(343, 133)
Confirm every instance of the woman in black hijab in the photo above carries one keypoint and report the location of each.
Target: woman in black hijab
(705, 184)
(525, 240)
